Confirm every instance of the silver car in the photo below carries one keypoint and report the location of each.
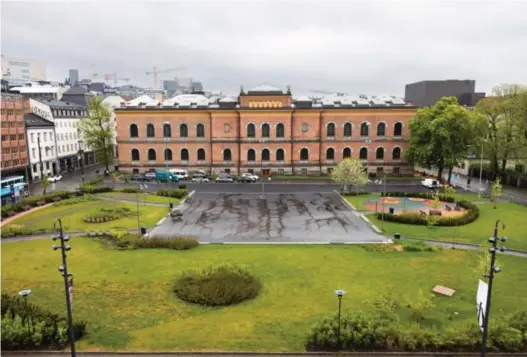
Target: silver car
(225, 178)
(200, 179)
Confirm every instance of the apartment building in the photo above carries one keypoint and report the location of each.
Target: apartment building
(14, 147)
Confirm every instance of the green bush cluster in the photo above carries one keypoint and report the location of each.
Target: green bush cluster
(425, 195)
(109, 214)
(47, 330)
(217, 286)
(33, 201)
(179, 194)
(176, 243)
(79, 199)
(362, 332)
(95, 189)
(471, 214)
(13, 230)
(355, 193)
(94, 181)
(128, 190)
(417, 246)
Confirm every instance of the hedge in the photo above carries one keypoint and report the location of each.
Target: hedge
(95, 189)
(426, 195)
(48, 330)
(33, 201)
(469, 216)
(354, 193)
(179, 194)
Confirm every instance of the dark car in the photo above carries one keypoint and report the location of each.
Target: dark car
(136, 177)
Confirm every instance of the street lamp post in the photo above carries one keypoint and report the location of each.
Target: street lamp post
(384, 201)
(480, 170)
(166, 169)
(340, 294)
(81, 161)
(139, 188)
(494, 240)
(68, 283)
(25, 295)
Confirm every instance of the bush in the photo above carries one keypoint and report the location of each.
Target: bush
(425, 195)
(49, 330)
(13, 230)
(109, 214)
(94, 181)
(80, 199)
(176, 243)
(469, 216)
(179, 194)
(420, 246)
(355, 193)
(8, 208)
(129, 190)
(95, 189)
(220, 286)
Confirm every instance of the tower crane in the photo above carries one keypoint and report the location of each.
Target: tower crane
(110, 76)
(325, 92)
(155, 72)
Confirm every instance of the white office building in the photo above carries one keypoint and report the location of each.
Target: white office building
(114, 101)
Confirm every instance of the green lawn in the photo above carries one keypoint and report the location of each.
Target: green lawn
(126, 298)
(72, 216)
(477, 232)
(149, 198)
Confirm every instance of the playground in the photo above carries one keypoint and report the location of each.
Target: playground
(411, 204)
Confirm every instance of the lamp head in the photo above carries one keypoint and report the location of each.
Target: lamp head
(24, 293)
(340, 293)
(55, 247)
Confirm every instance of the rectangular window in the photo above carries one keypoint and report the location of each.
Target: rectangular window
(34, 153)
(12, 137)
(35, 170)
(45, 136)
(380, 170)
(396, 170)
(20, 136)
(47, 165)
(281, 172)
(304, 172)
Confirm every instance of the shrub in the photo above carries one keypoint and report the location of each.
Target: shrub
(355, 193)
(80, 199)
(176, 243)
(13, 230)
(94, 181)
(179, 194)
(109, 214)
(519, 321)
(217, 286)
(129, 190)
(95, 189)
(425, 195)
(8, 208)
(50, 330)
(420, 246)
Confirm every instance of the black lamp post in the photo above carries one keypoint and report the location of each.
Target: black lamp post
(494, 240)
(340, 294)
(68, 283)
(81, 160)
(25, 294)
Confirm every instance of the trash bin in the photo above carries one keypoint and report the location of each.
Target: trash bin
(143, 230)
(171, 205)
(116, 168)
(392, 210)
(468, 181)
(182, 187)
(397, 236)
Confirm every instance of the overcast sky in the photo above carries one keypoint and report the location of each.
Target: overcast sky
(353, 47)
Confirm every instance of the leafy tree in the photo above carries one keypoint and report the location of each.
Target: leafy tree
(349, 172)
(442, 135)
(496, 191)
(97, 130)
(45, 184)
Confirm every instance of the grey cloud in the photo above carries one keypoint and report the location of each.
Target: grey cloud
(357, 47)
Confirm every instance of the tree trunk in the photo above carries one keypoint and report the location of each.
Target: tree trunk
(450, 168)
(440, 173)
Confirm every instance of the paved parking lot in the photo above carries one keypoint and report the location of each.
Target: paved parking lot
(279, 217)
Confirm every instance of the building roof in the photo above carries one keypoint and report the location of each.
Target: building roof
(39, 89)
(142, 100)
(97, 87)
(61, 104)
(264, 88)
(76, 90)
(187, 100)
(34, 121)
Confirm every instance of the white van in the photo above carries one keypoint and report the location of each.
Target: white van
(431, 183)
(182, 174)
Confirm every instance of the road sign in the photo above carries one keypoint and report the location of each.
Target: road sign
(481, 302)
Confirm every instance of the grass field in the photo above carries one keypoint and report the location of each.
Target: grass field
(126, 298)
(72, 216)
(477, 232)
(149, 198)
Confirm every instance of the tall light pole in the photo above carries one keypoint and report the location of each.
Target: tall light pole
(480, 170)
(68, 283)
(81, 161)
(166, 169)
(25, 294)
(384, 195)
(139, 188)
(340, 294)
(494, 240)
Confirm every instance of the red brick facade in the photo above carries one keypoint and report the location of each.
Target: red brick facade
(280, 132)
(14, 146)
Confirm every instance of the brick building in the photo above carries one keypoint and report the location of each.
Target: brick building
(264, 130)
(14, 147)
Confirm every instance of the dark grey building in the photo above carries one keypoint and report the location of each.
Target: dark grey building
(73, 76)
(78, 95)
(426, 93)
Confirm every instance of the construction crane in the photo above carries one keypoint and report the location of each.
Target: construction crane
(155, 72)
(324, 92)
(110, 76)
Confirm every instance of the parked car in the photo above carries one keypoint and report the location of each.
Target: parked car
(223, 177)
(181, 174)
(136, 177)
(431, 183)
(247, 177)
(165, 176)
(55, 178)
(200, 178)
(149, 176)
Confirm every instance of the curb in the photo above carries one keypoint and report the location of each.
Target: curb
(364, 218)
(191, 353)
(291, 243)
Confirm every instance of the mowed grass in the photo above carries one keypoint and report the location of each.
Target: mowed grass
(126, 297)
(143, 197)
(477, 232)
(72, 216)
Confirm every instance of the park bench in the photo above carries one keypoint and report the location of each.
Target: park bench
(448, 208)
(176, 214)
(41, 203)
(458, 207)
(56, 199)
(433, 212)
(26, 208)
(422, 213)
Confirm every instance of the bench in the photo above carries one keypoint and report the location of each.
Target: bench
(41, 203)
(458, 207)
(26, 208)
(435, 212)
(422, 213)
(56, 199)
(448, 208)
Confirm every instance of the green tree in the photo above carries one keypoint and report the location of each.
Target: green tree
(45, 184)
(441, 135)
(97, 130)
(496, 191)
(349, 172)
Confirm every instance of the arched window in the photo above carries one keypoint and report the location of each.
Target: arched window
(398, 129)
(280, 130)
(364, 129)
(167, 130)
(266, 130)
(266, 155)
(381, 129)
(151, 155)
(330, 129)
(201, 154)
(251, 131)
(135, 155)
(346, 153)
(330, 154)
(396, 154)
(363, 154)
(251, 155)
(183, 131)
(280, 155)
(134, 132)
(227, 155)
(200, 130)
(150, 131)
(347, 129)
(304, 154)
(168, 155)
(379, 154)
(184, 155)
